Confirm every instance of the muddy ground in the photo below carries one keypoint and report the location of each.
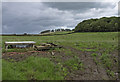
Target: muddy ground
(92, 71)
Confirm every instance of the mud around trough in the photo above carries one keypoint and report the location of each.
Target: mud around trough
(91, 70)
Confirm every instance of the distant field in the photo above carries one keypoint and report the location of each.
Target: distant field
(108, 38)
(99, 48)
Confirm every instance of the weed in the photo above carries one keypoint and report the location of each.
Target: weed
(111, 73)
(105, 58)
(94, 54)
(68, 52)
(74, 63)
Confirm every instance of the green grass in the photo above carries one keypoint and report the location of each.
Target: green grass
(102, 42)
(81, 41)
(101, 39)
(106, 60)
(18, 50)
(31, 68)
(111, 73)
(68, 52)
(74, 63)
(94, 54)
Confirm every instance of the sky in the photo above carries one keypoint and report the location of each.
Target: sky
(34, 17)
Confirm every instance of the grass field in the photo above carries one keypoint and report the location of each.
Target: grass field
(83, 39)
(80, 50)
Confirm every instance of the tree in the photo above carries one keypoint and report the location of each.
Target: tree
(67, 30)
(25, 34)
(52, 30)
(46, 31)
(105, 24)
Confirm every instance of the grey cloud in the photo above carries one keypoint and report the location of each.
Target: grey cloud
(78, 6)
(20, 17)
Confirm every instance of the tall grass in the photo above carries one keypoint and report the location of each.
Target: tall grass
(31, 68)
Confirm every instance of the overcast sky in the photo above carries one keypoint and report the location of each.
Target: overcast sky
(34, 17)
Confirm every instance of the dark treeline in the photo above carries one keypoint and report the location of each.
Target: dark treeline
(55, 30)
(46, 31)
(20, 34)
(105, 24)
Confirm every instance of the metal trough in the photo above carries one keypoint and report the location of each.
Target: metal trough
(19, 44)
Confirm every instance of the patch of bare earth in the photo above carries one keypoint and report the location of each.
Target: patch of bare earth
(19, 56)
(92, 70)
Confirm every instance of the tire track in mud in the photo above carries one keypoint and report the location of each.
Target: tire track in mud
(91, 71)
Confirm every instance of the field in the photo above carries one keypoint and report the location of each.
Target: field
(84, 56)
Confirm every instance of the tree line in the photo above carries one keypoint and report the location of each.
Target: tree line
(105, 24)
(56, 30)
